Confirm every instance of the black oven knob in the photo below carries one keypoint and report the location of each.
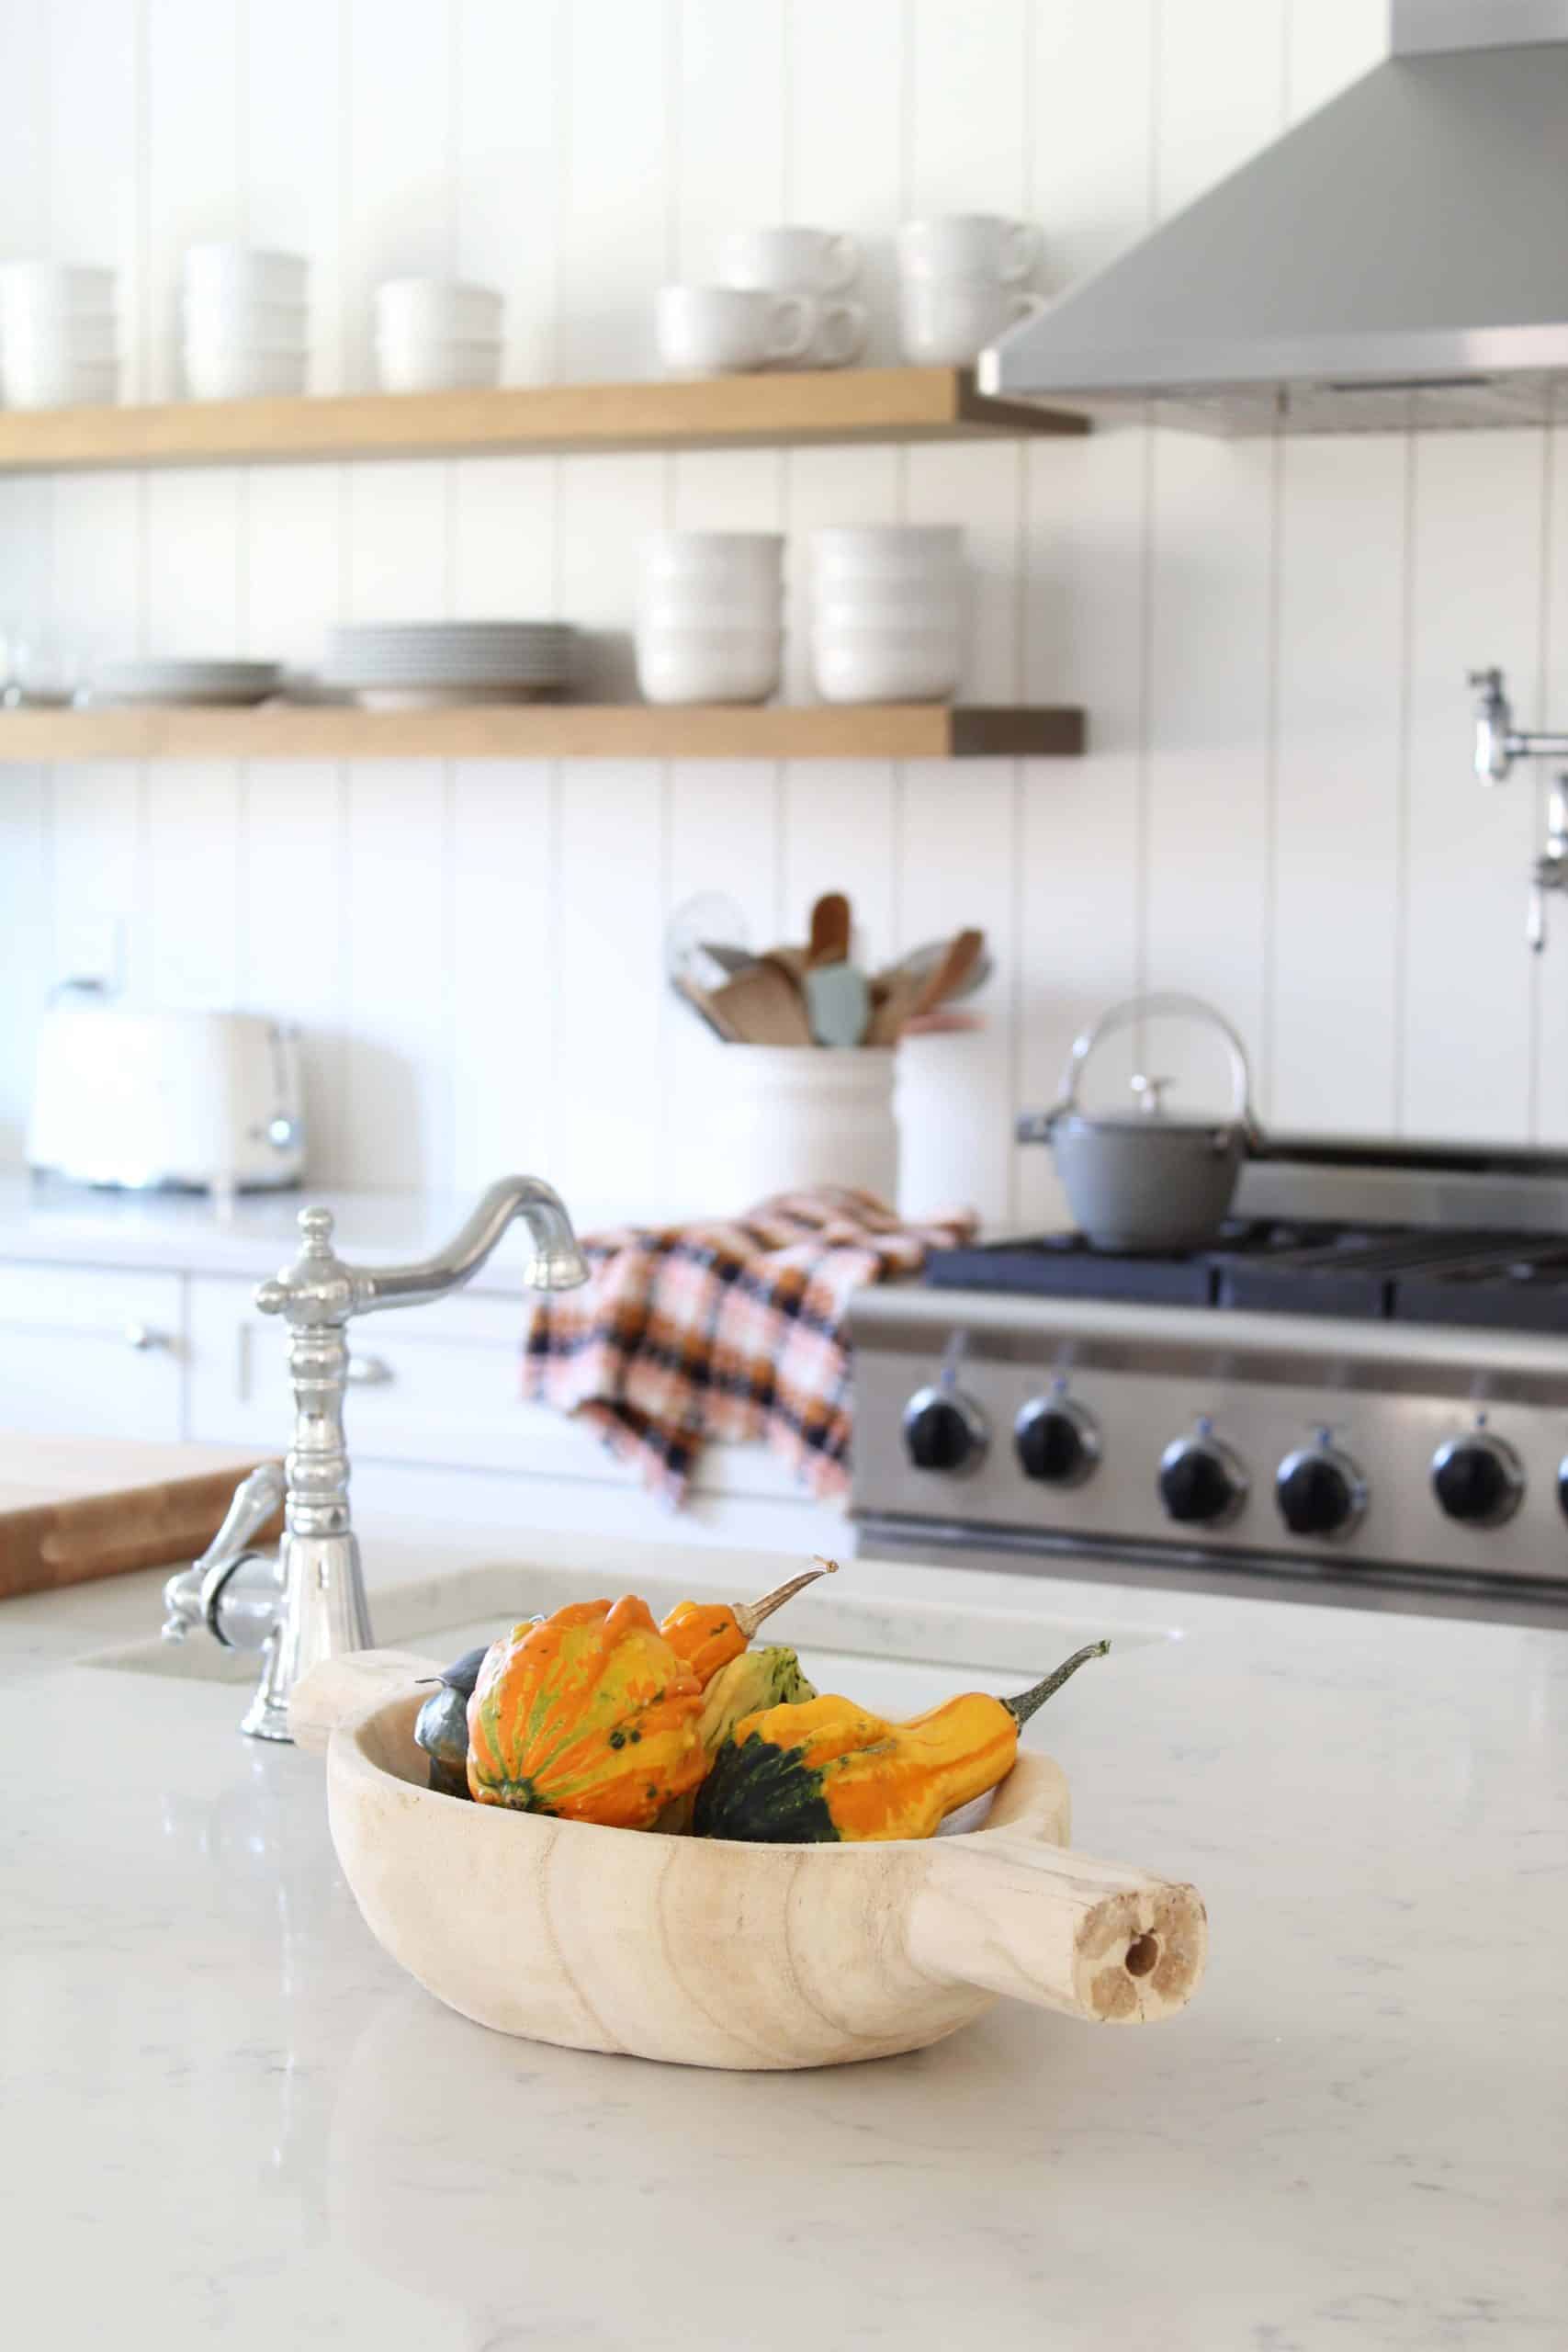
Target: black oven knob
(1056, 1441)
(1478, 1479)
(1320, 1491)
(1201, 1483)
(944, 1430)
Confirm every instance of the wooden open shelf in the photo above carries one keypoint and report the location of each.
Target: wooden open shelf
(543, 731)
(783, 411)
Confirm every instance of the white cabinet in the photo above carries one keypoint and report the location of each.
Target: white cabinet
(436, 1391)
(436, 1427)
(437, 1384)
(88, 1351)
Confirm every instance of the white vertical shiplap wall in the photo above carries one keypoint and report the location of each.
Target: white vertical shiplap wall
(1275, 810)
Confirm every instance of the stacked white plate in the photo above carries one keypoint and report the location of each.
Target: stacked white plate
(227, 683)
(888, 612)
(710, 616)
(245, 323)
(433, 335)
(430, 665)
(59, 342)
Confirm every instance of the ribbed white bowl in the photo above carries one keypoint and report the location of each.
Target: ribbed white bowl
(693, 666)
(886, 665)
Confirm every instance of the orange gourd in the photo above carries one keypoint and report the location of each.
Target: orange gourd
(589, 1714)
(708, 1635)
(825, 1770)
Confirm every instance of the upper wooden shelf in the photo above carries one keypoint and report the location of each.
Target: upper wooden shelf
(790, 410)
(543, 731)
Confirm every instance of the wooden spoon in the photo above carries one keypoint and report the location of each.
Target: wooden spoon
(829, 930)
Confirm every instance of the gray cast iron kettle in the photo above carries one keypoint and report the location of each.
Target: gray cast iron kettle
(1141, 1179)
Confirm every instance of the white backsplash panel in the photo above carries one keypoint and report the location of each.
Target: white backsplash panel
(1277, 806)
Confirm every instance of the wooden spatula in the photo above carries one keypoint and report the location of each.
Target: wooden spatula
(762, 1006)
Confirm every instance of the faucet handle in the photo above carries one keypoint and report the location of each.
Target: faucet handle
(256, 1500)
(317, 1288)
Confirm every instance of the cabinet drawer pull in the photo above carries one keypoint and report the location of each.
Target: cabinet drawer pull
(143, 1339)
(370, 1371)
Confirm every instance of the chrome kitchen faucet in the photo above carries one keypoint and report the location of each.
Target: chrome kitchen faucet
(306, 1602)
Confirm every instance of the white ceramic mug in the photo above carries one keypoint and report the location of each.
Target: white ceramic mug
(969, 244)
(787, 261)
(947, 321)
(840, 338)
(708, 329)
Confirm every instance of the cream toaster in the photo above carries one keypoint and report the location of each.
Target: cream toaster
(155, 1100)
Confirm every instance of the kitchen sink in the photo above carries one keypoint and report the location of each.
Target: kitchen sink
(902, 1656)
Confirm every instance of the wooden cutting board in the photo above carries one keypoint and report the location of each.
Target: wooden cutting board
(74, 1508)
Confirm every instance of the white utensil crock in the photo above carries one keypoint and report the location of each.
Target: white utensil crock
(783, 1116)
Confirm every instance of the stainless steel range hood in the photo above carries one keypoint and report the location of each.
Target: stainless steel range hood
(1399, 259)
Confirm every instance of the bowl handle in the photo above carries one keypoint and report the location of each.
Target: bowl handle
(342, 1688)
(1095, 1939)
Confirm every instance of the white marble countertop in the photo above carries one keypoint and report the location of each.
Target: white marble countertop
(255, 1233)
(230, 2121)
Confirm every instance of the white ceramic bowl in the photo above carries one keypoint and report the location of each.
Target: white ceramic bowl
(883, 605)
(438, 307)
(685, 665)
(713, 557)
(245, 271)
(886, 665)
(429, 363)
(253, 326)
(226, 371)
(49, 289)
(66, 336)
(755, 614)
(64, 383)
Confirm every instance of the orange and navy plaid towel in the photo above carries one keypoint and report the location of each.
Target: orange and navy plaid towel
(730, 1330)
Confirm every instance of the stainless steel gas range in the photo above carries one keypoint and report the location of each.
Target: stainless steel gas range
(1360, 1393)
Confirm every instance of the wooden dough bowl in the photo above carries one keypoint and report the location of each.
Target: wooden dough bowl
(707, 1952)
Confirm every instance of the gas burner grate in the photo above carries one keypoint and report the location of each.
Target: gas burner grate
(1478, 1279)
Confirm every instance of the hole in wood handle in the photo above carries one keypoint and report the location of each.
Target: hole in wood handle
(1141, 1955)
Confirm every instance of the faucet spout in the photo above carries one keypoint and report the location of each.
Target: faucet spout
(556, 1263)
(321, 1609)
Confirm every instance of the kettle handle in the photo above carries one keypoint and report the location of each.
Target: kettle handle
(1159, 1002)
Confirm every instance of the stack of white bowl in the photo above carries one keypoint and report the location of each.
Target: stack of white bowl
(710, 617)
(245, 323)
(888, 612)
(59, 343)
(437, 665)
(433, 335)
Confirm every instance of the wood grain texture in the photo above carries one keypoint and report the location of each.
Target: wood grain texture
(544, 730)
(709, 1952)
(723, 411)
(74, 1511)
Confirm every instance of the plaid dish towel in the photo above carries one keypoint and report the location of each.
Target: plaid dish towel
(732, 1329)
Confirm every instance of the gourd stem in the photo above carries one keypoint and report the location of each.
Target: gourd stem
(750, 1614)
(1027, 1702)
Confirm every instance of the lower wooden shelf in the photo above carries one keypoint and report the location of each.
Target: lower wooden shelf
(545, 731)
